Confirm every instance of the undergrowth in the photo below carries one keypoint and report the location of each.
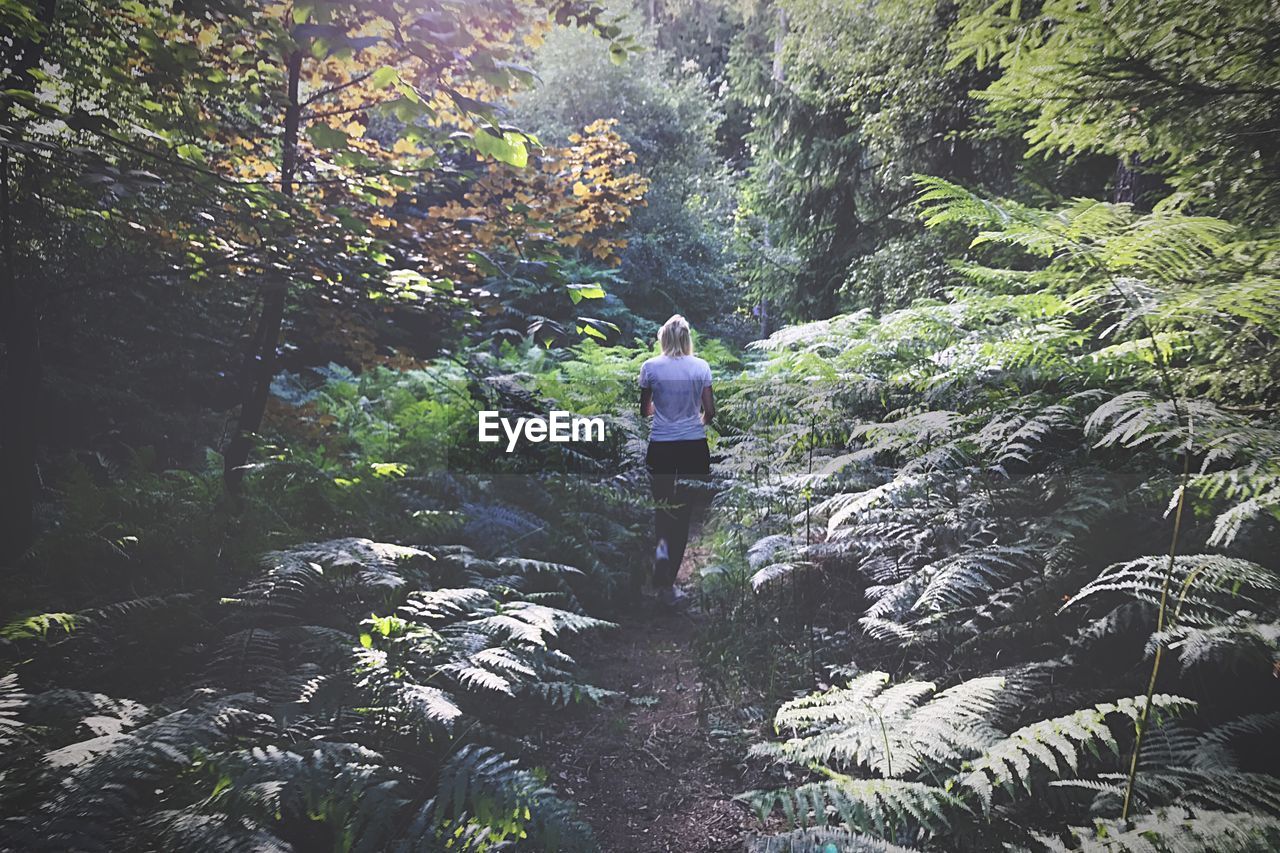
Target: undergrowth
(342, 693)
(1005, 514)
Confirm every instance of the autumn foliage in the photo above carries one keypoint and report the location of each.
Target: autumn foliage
(573, 197)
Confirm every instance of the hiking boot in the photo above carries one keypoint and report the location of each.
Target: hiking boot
(671, 597)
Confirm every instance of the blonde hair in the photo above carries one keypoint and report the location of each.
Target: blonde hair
(675, 337)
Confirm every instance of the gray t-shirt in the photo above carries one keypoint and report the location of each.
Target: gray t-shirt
(676, 383)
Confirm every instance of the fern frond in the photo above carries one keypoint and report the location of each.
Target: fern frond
(863, 805)
(440, 605)
(766, 549)
(111, 776)
(836, 705)
(566, 693)
(775, 572)
(1177, 831)
(1054, 744)
(1224, 735)
(886, 630)
(524, 566)
(1242, 637)
(970, 575)
(428, 706)
(821, 841)
(12, 703)
(508, 800)
(96, 713)
(1208, 587)
(188, 829)
(292, 578)
(892, 730)
(39, 626)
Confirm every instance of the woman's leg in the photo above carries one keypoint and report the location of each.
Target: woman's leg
(662, 483)
(679, 540)
(693, 462)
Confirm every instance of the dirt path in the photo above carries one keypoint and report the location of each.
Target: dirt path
(645, 770)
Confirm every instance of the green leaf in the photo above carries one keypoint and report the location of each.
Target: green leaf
(384, 77)
(324, 136)
(406, 109)
(39, 626)
(508, 147)
(191, 153)
(523, 73)
(579, 292)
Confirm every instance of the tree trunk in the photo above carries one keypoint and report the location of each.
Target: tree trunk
(779, 43)
(19, 428)
(19, 423)
(1128, 183)
(260, 364)
(778, 76)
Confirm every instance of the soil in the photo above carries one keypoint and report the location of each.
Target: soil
(645, 769)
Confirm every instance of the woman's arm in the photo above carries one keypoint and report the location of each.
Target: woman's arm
(646, 402)
(708, 406)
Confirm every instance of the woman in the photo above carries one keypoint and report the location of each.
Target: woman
(675, 388)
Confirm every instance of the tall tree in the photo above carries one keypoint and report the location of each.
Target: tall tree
(676, 257)
(351, 59)
(253, 142)
(853, 99)
(18, 424)
(1191, 91)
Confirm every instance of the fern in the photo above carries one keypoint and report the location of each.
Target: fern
(76, 711)
(566, 693)
(12, 702)
(188, 830)
(230, 770)
(501, 797)
(1177, 831)
(878, 806)
(1241, 638)
(887, 729)
(40, 626)
(293, 578)
(1055, 744)
(1210, 587)
(944, 758)
(820, 841)
(428, 706)
(982, 473)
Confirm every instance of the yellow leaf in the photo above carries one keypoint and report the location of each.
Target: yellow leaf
(354, 129)
(580, 189)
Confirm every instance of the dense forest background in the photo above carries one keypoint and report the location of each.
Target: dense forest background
(991, 292)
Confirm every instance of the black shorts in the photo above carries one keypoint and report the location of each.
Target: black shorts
(690, 458)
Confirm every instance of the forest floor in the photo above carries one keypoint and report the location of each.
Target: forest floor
(646, 770)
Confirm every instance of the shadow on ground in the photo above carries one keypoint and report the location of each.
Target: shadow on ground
(644, 768)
